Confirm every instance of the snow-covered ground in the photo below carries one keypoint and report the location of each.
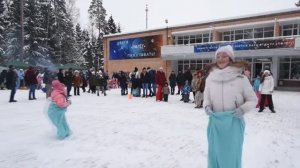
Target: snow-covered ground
(117, 132)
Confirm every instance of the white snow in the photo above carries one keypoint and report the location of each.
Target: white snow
(117, 132)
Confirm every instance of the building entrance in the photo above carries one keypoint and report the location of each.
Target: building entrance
(260, 65)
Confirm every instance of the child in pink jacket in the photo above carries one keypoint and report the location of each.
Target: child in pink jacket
(58, 108)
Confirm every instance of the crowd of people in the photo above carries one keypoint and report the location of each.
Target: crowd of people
(223, 89)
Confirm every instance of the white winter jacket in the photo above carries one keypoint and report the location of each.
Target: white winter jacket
(227, 89)
(267, 86)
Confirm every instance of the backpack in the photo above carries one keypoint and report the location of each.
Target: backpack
(132, 76)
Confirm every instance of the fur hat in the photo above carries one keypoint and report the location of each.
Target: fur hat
(226, 49)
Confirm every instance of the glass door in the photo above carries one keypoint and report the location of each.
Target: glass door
(261, 64)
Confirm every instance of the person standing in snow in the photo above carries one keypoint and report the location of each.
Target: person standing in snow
(172, 80)
(266, 89)
(166, 91)
(31, 81)
(228, 95)
(11, 82)
(58, 108)
(160, 80)
(76, 83)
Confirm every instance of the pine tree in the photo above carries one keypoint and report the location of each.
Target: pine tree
(2, 29)
(13, 37)
(87, 50)
(34, 35)
(112, 28)
(98, 14)
(119, 28)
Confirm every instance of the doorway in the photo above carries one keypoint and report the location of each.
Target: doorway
(262, 64)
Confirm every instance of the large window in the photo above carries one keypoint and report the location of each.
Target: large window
(291, 29)
(239, 34)
(192, 39)
(193, 65)
(289, 68)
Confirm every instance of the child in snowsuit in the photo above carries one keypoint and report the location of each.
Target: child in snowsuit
(186, 92)
(166, 92)
(58, 108)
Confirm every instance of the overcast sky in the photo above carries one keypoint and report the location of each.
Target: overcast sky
(132, 16)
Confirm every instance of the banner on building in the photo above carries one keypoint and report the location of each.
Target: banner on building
(135, 48)
(247, 45)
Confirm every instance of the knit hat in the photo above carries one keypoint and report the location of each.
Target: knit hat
(226, 49)
(267, 71)
(57, 85)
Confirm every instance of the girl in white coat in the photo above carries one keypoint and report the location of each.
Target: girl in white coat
(228, 95)
(266, 88)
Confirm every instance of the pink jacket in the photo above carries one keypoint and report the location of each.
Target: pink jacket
(58, 95)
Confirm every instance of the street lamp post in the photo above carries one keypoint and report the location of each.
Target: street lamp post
(146, 16)
(167, 40)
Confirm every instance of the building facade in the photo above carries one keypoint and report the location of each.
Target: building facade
(267, 41)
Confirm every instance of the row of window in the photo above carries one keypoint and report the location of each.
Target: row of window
(289, 68)
(233, 35)
(252, 33)
(192, 39)
(192, 65)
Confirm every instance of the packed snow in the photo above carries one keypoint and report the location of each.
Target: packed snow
(117, 132)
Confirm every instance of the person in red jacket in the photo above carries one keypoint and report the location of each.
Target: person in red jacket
(31, 82)
(160, 80)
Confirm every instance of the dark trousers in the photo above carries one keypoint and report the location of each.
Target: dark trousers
(166, 97)
(262, 102)
(180, 87)
(76, 91)
(12, 94)
(69, 87)
(172, 90)
(83, 88)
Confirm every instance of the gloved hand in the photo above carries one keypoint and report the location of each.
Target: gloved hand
(70, 102)
(238, 113)
(208, 110)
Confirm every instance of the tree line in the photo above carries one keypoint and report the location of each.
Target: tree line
(50, 33)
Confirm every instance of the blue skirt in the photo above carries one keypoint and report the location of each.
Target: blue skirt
(57, 117)
(225, 135)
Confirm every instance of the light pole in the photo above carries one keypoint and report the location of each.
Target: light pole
(167, 40)
(146, 16)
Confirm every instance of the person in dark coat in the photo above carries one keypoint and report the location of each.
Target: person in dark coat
(172, 79)
(31, 82)
(61, 76)
(188, 76)
(123, 83)
(145, 80)
(2, 79)
(151, 84)
(11, 82)
(47, 80)
(69, 80)
(180, 82)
